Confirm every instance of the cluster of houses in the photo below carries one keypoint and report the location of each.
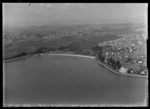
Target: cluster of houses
(132, 71)
(123, 50)
(113, 52)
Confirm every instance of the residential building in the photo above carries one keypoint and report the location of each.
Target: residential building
(123, 70)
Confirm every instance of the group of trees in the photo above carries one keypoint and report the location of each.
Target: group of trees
(71, 47)
(100, 56)
(97, 48)
(74, 47)
(115, 64)
(42, 50)
(20, 55)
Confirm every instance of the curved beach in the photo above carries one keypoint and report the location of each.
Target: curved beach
(99, 63)
(47, 75)
(93, 57)
(13, 59)
(74, 55)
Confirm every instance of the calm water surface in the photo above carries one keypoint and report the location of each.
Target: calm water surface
(68, 80)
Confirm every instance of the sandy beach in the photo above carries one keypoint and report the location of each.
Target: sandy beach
(49, 54)
(74, 55)
(93, 57)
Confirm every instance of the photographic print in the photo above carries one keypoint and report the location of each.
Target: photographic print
(75, 54)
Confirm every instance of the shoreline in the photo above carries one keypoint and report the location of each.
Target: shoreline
(77, 55)
(13, 59)
(125, 74)
(86, 56)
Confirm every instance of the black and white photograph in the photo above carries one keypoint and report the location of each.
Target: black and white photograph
(75, 54)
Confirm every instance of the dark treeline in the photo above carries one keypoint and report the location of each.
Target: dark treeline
(111, 62)
(97, 50)
(114, 64)
(18, 55)
(73, 47)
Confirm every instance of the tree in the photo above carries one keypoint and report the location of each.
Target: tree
(102, 58)
(99, 57)
(114, 64)
(97, 48)
(118, 64)
(52, 48)
(110, 61)
(99, 54)
(21, 54)
(31, 49)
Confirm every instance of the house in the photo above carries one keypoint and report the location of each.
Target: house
(140, 43)
(123, 70)
(119, 48)
(132, 71)
(129, 70)
(106, 53)
(132, 44)
(143, 72)
(126, 56)
(130, 50)
(140, 62)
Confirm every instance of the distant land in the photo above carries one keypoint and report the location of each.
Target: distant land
(126, 41)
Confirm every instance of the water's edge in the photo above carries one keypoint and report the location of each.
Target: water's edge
(8, 60)
(93, 57)
(125, 74)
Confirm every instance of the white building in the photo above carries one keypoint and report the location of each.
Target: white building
(143, 72)
(106, 53)
(123, 70)
(140, 62)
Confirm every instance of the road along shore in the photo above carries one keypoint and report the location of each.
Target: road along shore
(126, 74)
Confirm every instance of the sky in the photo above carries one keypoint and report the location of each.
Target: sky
(20, 14)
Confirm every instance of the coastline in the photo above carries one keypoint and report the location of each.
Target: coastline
(125, 74)
(13, 59)
(75, 55)
(93, 57)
